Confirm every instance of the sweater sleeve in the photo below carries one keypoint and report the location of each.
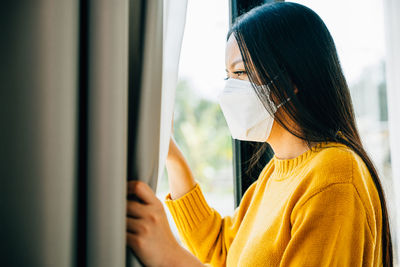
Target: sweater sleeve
(202, 229)
(330, 229)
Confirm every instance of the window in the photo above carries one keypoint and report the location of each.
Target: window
(199, 126)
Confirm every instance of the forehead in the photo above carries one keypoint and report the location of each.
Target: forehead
(232, 51)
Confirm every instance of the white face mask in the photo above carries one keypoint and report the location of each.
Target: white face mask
(244, 112)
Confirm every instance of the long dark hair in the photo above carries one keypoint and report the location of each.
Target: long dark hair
(286, 46)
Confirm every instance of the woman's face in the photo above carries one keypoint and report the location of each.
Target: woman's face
(235, 69)
(233, 60)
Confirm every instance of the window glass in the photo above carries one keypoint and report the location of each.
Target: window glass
(199, 126)
(357, 28)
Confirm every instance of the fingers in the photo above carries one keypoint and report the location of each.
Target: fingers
(134, 242)
(142, 191)
(130, 239)
(133, 225)
(135, 209)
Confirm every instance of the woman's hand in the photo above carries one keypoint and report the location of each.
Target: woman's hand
(148, 231)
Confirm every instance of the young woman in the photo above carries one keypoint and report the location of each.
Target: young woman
(318, 202)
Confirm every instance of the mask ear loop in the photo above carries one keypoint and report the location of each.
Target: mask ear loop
(285, 101)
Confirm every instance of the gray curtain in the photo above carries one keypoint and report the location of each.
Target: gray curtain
(83, 108)
(38, 136)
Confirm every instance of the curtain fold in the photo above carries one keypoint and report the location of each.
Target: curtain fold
(150, 119)
(145, 94)
(106, 107)
(38, 101)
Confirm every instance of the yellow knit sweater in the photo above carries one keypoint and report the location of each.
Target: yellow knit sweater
(319, 209)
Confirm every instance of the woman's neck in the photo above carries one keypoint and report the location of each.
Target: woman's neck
(284, 144)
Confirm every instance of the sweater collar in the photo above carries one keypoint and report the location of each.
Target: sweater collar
(285, 167)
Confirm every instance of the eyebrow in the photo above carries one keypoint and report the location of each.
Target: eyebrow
(235, 62)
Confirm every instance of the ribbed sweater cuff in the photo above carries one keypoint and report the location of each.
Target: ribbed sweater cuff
(189, 210)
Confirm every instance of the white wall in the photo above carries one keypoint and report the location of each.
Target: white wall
(392, 31)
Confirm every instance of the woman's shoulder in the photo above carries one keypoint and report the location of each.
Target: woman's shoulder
(336, 162)
(337, 166)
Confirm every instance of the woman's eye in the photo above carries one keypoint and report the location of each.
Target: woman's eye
(238, 73)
